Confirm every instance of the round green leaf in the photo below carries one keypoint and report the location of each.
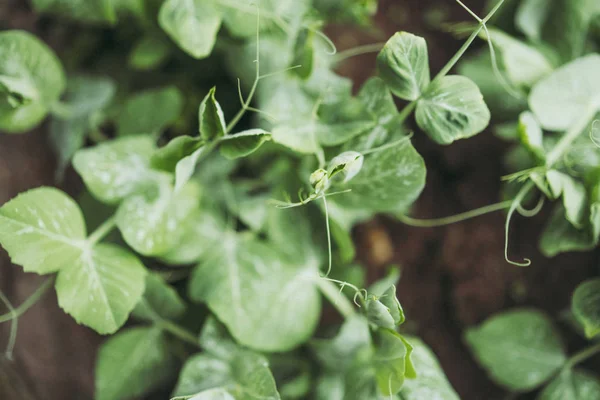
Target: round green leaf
(403, 64)
(559, 99)
(452, 108)
(572, 385)
(112, 281)
(31, 81)
(390, 179)
(117, 169)
(265, 302)
(133, 363)
(42, 229)
(192, 24)
(585, 305)
(520, 349)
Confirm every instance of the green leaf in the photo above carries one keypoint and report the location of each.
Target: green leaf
(246, 376)
(150, 111)
(520, 349)
(85, 96)
(431, 382)
(210, 394)
(149, 53)
(585, 306)
(298, 136)
(202, 232)
(345, 165)
(403, 64)
(243, 143)
(31, 81)
(330, 135)
(247, 284)
(559, 99)
(210, 116)
(192, 24)
(291, 231)
(391, 361)
(115, 170)
(573, 194)
(150, 222)
(81, 10)
(390, 179)
(572, 385)
(168, 156)
(384, 310)
(524, 65)
(42, 230)
(452, 108)
(531, 135)
(530, 17)
(339, 353)
(304, 53)
(133, 363)
(112, 280)
(186, 166)
(561, 236)
(160, 300)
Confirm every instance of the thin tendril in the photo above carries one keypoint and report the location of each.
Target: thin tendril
(515, 204)
(29, 302)
(358, 51)
(284, 205)
(13, 326)
(534, 211)
(328, 236)
(280, 71)
(431, 223)
(326, 39)
(358, 293)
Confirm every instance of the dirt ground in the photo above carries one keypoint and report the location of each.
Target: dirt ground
(452, 277)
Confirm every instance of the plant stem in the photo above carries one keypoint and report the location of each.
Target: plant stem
(178, 331)
(357, 51)
(102, 230)
(582, 356)
(31, 300)
(336, 297)
(430, 223)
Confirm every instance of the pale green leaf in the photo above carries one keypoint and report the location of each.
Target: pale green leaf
(42, 229)
(403, 64)
(210, 117)
(186, 166)
(572, 385)
(133, 363)
(160, 301)
(210, 394)
(337, 134)
(192, 24)
(299, 136)
(81, 10)
(339, 353)
(573, 194)
(524, 64)
(112, 281)
(151, 222)
(530, 17)
(243, 143)
(244, 375)
(293, 234)
(150, 111)
(31, 81)
(431, 382)
(390, 179)
(585, 306)
(385, 310)
(265, 302)
(452, 108)
(560, 99)
(520, 349)
(114, 170)
(345, 166)
(202, 231)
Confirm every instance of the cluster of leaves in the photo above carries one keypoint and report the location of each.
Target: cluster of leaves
(202, 249)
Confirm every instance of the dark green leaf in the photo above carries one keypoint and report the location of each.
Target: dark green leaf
(149, 112)
(160, 300)
(210, 116)
(572, 385)
(243, 143)
(585, 306)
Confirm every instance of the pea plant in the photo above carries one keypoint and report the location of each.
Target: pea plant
(222, 243)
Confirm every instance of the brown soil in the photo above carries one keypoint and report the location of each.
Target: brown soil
(452, 277)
